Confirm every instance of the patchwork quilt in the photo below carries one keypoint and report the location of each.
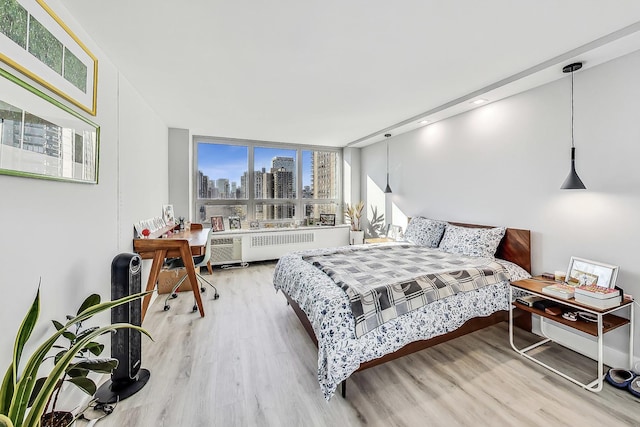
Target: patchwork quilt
(384, 282)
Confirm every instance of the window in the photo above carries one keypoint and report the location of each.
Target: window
(266, 182)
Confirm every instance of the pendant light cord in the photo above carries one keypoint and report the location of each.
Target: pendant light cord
(572, 143)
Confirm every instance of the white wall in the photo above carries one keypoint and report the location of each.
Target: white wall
(66, 234)
(503, 164)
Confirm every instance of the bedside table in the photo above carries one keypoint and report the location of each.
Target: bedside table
(379, 240)
(606, 321)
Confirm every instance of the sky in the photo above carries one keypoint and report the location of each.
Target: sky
(230, 161)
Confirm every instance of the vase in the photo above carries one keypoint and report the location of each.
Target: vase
(356, 237)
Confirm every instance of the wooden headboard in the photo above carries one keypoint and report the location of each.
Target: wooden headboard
(515, 245)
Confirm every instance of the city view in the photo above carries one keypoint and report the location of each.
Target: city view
(273, 185)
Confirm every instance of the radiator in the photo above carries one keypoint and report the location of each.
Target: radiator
(276, 239)
(225, 250)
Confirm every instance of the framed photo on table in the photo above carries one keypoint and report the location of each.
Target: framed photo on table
(585, 272)
(234, 223)
(168, 215)
(328, 219)
(217, 223)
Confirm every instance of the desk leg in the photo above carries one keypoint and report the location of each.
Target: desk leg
(191, 272)
(158, 259)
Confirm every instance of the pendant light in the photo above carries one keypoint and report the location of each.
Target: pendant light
(388, 189)
(573, 181)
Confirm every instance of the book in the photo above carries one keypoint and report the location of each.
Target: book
(559, 290)
(599, 292)
(528, 300)
(597, 302)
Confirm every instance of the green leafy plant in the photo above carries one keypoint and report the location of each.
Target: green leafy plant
(353, 214)
(376, 223)
(23, 399)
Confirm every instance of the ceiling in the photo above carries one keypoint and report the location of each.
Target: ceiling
(340, 73)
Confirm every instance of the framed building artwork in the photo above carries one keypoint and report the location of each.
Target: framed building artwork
(42, 138)
(39, 45)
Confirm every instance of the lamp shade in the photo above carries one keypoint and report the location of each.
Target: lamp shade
(387, 190)
(573, 181)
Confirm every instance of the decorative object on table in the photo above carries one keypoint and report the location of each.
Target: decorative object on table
(587, 317)
(393, 232)
(51, 140)
(181, 222)
(145, 233)
(167, 214)
(585, 272)
(573, 181)
(353, 214)
(254, 225)
(327, 219)
(217, 223)
(17, 394)
(387, 189)
(39, 45)
(234, 223)
(559, 290)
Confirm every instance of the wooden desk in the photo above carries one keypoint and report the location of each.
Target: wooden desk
(183, 245)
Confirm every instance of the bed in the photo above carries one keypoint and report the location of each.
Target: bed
(463, 289)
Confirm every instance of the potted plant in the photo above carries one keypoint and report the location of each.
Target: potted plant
(353, 214)
(20, 390)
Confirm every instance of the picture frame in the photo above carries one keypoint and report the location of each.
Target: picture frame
(65, 147)
(167, 214)
(254, 225)
(41, 46)
(586, 272)
(394, 231)
(327, 219)
(217, 223)
(234, 223)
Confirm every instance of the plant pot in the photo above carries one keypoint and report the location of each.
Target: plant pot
(356, 237)
(57, 419)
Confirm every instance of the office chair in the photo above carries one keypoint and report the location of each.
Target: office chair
(199, 261)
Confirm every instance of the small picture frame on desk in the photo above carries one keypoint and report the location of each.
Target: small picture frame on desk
(168, 215)
(254, 225)
(585, 272)
(217, 223)
(328, 219)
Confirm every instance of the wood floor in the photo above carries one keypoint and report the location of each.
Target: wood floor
(249, 362)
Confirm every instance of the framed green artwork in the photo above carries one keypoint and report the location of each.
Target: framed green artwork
(42, 138)
(38, 44)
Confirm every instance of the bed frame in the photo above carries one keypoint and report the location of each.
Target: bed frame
(515, 247)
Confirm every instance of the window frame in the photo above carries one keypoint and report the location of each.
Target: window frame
(251, 201)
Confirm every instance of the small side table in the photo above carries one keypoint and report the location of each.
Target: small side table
(379, 240)
(606, 322)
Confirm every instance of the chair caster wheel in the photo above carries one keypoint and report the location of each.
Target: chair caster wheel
(216, 296)
(195, 308)
(174, 295)
(166, 308)
(202, 289)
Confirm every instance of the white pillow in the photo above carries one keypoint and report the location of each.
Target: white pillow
(480, 242)
(424, 231)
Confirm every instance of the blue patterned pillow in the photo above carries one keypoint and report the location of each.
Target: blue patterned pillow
(424, 231)
(480, 242)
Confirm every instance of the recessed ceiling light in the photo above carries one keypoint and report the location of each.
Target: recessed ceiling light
(423, 122)
(479, 101)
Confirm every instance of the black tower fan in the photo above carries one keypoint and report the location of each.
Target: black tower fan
(126, 344)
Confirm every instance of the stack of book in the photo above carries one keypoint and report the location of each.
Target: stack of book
(597, 296)
(559, 290)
